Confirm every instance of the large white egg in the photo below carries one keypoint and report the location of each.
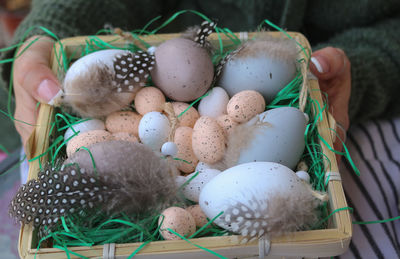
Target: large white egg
(276, 135)
(245, 192)
(214, 104)
(265, 66)
(84, 126)
(192, 190)
(154, 129)
(84, 64)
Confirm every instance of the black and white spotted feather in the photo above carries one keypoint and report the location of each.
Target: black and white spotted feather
(132, 69)
(223, 61)
(280, 214)
(206, 28)
(56, 193)
(127, 178)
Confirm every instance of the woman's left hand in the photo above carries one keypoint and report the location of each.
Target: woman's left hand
(332, 68)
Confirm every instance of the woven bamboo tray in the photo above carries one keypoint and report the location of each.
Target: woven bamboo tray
(312, 244)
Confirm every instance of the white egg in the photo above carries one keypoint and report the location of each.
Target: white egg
(87, 125)
(169, 149)
(244, 192)
(277, 136)
(192, 190)
(201, 166)
(214, 104)
(180, 180)
(154, 129)
(303, 175)
(82, 65)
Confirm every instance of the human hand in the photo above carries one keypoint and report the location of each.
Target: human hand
(33, 82)
(332, 68)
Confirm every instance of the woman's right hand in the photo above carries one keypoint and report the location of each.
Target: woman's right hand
(34, 82)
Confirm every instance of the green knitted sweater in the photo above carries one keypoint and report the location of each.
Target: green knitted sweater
(368, 31)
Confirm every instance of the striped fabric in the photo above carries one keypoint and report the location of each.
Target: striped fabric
(375, 148)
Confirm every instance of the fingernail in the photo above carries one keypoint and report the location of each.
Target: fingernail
(320, 64)
(47, 90)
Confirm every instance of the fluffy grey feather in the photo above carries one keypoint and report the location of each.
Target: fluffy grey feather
(127, 177)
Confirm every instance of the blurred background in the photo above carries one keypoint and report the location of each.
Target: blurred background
(11, 14)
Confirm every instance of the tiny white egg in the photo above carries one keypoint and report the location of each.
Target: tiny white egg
(84, 126)
(154, 128)
(303, 175)
(169, 149)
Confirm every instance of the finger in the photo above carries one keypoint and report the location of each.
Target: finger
(32, 72)
(329, 63)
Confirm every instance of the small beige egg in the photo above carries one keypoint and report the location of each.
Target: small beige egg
(199, 217)
(124, 136)
(149, 99)
(245, 105)
(227, 124)
(188, 118)
(123, 121)
(208, 140)
(86, 139)
(177, 219)
(183, 139)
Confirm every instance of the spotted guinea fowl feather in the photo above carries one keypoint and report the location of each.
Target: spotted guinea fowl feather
(127, 178)
(206, 28)
(132, 69)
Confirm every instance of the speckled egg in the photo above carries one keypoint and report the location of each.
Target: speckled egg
(86, 139)
(208, 140)
(183, 69)
(227, 123)
(123, 121)
(199, 217)
(245, 105)
(177, 219)
(183, 139)
(192, 189)
(149, 99)
(154, 130)
(189, 117)
(124, 136)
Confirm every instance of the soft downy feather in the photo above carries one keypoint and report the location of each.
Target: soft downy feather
(279, 215)
(127, 177)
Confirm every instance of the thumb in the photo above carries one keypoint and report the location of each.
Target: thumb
(329, 63)
(32, 73)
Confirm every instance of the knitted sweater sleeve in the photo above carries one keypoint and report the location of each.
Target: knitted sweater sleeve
(374, 53)
(77, 17)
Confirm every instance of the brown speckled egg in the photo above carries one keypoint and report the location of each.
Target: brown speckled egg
(123, 121)
(245, 105)
(208, 140)
(86, 139)
(149, 99)
(183, 139)
(188, 118)
(177, 219)
(183, 69)
(124, 136)
(199, 217)
(227, 123)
